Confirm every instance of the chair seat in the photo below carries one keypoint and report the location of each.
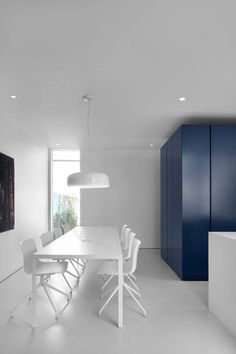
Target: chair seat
(111, 268)
(50, 267)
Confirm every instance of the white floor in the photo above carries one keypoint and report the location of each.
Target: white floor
(178, 320)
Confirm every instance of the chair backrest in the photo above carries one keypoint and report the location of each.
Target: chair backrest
(132, 263)
(28, 248)
(47, 238)
(127, 253)
(125, 238)
(57, 232)
(66, 228)
(122, 232)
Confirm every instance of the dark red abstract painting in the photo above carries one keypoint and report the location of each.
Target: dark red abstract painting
(7, 219)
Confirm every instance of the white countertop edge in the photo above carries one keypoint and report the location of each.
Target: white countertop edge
(229, 234)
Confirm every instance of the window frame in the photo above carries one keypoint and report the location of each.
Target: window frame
(50, 181)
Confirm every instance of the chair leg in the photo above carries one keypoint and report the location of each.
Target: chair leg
(133, 291)
(108, 300)
(130, 287)
(76, 270)
(80, 264)
(133, 276)
(132, 282)
(63, 275)
(56, 289)
(78, 273)
(22, 300)
(107, 281)
(84, 260)
(137, 302)
(49, 297)
(73, 275)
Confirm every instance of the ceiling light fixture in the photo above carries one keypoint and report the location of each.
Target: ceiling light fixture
(88, 179)
(182, 99)
(151, 145)
(13, 97)
(57, 144)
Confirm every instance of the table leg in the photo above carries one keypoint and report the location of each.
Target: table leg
(34, 293)
(120, 293)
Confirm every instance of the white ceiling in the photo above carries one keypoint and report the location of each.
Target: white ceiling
(136, 57)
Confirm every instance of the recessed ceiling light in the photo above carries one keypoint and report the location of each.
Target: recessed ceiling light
(151, 145)
(13, 97)
(182, 99)
(57, 144)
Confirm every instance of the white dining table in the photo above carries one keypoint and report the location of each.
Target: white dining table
(89, 242)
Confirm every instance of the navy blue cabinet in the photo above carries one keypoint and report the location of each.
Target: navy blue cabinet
(164, 241)
(223, 178)
(185, 201)
(174, 202)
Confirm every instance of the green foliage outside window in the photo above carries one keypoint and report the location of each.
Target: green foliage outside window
(64, 212)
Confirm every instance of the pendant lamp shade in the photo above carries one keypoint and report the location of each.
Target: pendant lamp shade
(88, 180)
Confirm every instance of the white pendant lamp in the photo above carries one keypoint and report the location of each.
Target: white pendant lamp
(88, 179)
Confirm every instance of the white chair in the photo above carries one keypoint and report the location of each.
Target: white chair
(122, 233)
(124, 243)
(126, 257)
(129, 267)
(124, 246)
(57, 232)
(46, 238)
(127, 252)
(43, 269)
(66, 228)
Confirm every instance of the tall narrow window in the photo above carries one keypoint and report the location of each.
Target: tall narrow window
(65, 201)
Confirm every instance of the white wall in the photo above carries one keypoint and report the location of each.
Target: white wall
(133, 197)
(31, 186)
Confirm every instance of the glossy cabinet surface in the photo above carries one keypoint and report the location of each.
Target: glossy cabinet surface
(185, 201)
(223, 178)
(164, 202)
(196, 201)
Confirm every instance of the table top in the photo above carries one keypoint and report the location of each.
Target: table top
(101, 242)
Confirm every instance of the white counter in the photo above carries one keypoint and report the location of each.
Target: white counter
(222, 278)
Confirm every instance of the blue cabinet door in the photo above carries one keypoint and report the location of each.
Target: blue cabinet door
(164, 203)
(170, 241)
(195, 200)
(176, 206)
(223, 178)
(174, 202)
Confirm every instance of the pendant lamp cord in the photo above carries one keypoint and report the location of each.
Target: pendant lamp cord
(88, 130)
(88, 125)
